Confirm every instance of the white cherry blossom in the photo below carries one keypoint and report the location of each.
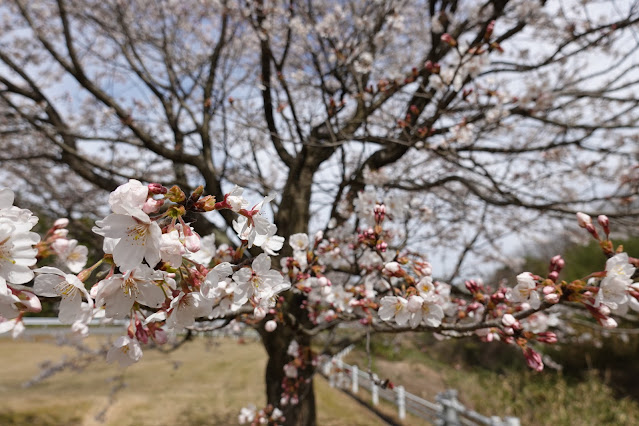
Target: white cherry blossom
(259, 281)
(128, 199)
(74, 256)
(125, 351)
(138, 239)
(52, 282)
(118, 293)
(614, 287)
(298, 242)
(185, 308)
(525, 291)
(394, 307)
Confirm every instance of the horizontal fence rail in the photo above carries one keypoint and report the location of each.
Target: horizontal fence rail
(446, 411)
(52, 325)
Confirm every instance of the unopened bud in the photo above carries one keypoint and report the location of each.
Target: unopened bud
(533, 359)
(557, 263)
(591, 228)
(61, 223)
(551, 298)
(270, 326)
(608, 322)
(553, 276)
(604, 222)
(547, 337)
(259, 313)
(141, 334)
(157, 189)
(392, 268)
(380, 212)
(323, 281)
(448, 39)
(489, 30)
(62, 233)
(472, 286)
(192, 242)
(583, 220)
(508, 320)
(152, 205)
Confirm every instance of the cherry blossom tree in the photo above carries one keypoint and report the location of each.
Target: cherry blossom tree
(399, 129)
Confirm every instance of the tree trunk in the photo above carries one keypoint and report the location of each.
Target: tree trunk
(276, 344)
(293, 217)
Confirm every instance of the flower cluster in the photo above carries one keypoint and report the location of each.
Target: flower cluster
(161, 276)
(157, 276)
(17, 256)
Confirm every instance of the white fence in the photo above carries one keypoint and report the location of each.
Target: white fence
(446, 411)
(44, 322)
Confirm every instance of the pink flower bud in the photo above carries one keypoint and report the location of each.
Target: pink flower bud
(591, 228)
(557, 263)
(192, 242)
(551, 298)
(156, 189)
(448, 39)
(472, 286)
(533, 359)
(583, 219)
(553, 276)
(152, 205)
(141, 334)
(270, 326)
(473, 306)
(259, 313)
(608, 322)
(323, 281)
(380, 212)
(61, 223)
(548, 289)
(392, 268)
(508, 320)
(61, 233)
(604, 222)
(547, 337)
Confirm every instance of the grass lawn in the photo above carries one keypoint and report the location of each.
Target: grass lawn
(203, 383)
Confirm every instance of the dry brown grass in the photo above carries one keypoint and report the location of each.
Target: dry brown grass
(199, 384)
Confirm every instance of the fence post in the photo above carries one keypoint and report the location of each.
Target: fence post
(448, 399)
(511, 421)
(340, 374)
(331, 377)
(374, 390)
(355, 379)
(401, 402)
